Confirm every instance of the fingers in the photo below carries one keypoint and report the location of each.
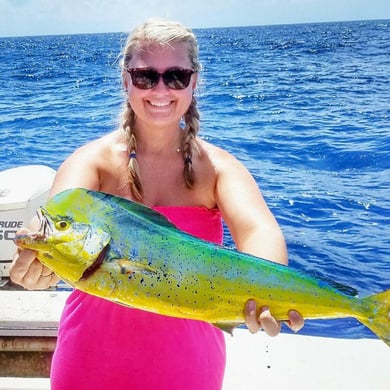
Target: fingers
(263, 319)
(21, 265)
(251, 320)
(270, 325)
(30, 273)
(295, 321)
(32, 279)
(46, 281)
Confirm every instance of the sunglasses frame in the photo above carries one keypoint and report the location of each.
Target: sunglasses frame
(157, 76)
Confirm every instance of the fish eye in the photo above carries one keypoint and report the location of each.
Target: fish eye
(62, 225)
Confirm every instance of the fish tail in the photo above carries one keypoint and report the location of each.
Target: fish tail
(379, 320)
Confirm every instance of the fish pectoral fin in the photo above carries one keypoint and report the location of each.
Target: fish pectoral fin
(227, 327)
(130, 267)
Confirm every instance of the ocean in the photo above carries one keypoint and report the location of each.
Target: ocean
(305, 107)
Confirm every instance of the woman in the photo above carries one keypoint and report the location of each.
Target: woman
(156, 158)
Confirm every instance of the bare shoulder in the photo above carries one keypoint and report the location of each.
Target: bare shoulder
(214, 153)
(222, 160)
(93, 154)
(102, 146)
(233, 182)
(90, 164)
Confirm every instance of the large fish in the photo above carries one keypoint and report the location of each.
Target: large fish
(125, 252)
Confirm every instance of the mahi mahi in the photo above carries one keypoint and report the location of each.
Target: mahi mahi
(127, 253)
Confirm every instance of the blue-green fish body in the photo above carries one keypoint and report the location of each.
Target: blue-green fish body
(125, 252)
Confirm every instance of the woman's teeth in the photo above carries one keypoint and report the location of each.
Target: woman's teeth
(160, 104)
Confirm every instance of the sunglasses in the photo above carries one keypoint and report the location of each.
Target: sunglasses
(147, 78)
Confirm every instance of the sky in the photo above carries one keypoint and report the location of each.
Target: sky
(50, 17)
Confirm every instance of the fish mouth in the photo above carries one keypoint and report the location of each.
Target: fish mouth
(45, 229)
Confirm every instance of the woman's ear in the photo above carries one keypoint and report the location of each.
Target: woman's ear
(125, 80)
(194, 81)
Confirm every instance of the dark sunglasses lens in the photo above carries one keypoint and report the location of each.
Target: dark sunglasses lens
(177, 78)
(144, 78)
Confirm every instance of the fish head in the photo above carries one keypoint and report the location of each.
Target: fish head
(66, 246)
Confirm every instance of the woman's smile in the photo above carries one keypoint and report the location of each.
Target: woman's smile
(159, 104)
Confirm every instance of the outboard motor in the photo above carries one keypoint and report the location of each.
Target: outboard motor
(22, 191)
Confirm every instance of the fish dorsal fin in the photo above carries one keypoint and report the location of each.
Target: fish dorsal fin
(87, 205)
(138, 210)
(347, 290)
(146, 212)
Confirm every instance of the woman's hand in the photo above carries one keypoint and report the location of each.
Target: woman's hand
(27, 271)
(265, 320)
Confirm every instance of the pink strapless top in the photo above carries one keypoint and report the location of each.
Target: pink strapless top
(102, 345)
(201, 222)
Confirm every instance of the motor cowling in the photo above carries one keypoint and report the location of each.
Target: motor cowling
(23, 190)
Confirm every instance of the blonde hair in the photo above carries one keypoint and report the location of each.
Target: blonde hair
(161, 32)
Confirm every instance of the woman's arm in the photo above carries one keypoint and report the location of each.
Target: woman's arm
(254, 230)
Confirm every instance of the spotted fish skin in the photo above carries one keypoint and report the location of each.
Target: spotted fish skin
(127, 253)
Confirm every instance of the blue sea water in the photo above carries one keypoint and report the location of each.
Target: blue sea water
(305, 107)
